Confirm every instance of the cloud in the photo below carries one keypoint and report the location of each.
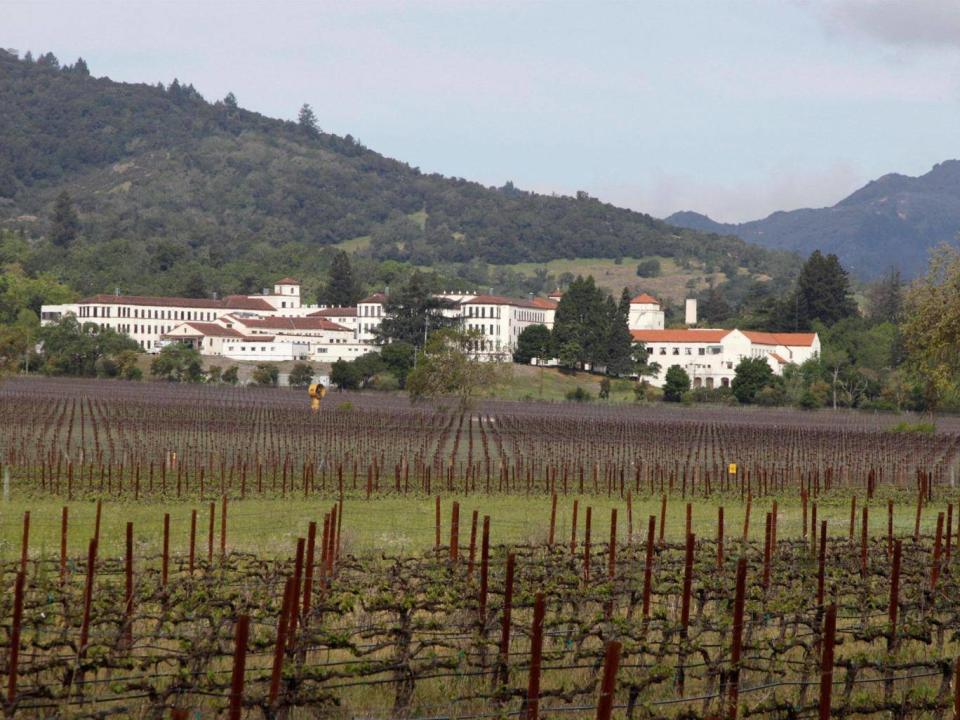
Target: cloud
(906, 23)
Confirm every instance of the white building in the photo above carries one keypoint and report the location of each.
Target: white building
(148, 319)
(645, 313)
(710, 357)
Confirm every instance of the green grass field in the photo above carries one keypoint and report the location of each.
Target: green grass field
(406, 525)
(533, 383)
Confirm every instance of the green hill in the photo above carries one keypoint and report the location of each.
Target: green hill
(175, 193)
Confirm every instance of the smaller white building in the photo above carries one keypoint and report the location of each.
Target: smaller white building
(645, 313)
(710, 357)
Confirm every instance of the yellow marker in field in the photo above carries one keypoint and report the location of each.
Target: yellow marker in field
(317, 391)
(732, 468)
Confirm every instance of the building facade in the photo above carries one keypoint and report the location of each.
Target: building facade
(710, 357)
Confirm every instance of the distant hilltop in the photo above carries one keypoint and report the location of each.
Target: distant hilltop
(892, 221)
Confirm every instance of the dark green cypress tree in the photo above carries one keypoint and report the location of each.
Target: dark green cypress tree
(65, 222)
(342, 288)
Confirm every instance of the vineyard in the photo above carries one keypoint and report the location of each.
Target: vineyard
(585, 562)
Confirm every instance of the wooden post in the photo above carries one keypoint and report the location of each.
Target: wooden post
(164, 571)
(894, 595)
(766, 552)
(553, 519)
(536, 656)
(280, 648)
(308, 571)
(573, 529)
(88, 596)
(611, 664)
(473, 545)
(586, 546)
(239, 666)
(484, 561)
(826, 663)
(436, 522)
(720, 538)
(648, 566)
(455, 532)
(504, 673)
(937, 544)
(64, 515)
(128, 591)
(663, 518)
(864, 538)
(14, 652)
(821, 563)
(746, 518)
(213, 512)
(25, 542)
(223, 527)
(295, 602)
(737, 640)
(193, 539)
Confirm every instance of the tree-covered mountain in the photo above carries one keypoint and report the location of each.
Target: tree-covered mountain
(892, 221)
(151, 188)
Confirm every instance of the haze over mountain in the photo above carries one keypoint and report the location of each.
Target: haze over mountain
(892, 221)
(167, 183)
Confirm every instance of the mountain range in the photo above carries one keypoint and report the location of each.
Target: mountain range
(890, 222)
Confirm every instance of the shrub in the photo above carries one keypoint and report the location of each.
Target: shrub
(920, 427)
(266, 374)
(649, 268)
(579, 395)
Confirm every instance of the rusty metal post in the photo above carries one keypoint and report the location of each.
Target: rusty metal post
(894, 595)
(536, 658)
(223, 527)
(239, 666)
(484, 570)
(455, 532)
(504, 673)
(308, 572)
(280, 647)
(611, 664)
(720, 538)
(648, 566)
(826, 663)
(25, 542)
(821, 563)
(165, 567)
(88, 596)
(473, 545)
(64, 517)
(14, 652)
(193, 540)
(128, 590)
(553, 519)
(737, 641)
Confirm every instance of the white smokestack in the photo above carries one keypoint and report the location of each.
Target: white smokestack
(690, 314)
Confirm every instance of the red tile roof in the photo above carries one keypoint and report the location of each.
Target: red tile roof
(538, 303)
(788, 339)
(679, 336)
(293, 323)
(214, 330)
(644, 299)
(335, 312)
(287, 281)
(778, 358)
(375, 298)
(231, 302)
(544, 303)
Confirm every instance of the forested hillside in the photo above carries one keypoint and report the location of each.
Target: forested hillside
(168, 192)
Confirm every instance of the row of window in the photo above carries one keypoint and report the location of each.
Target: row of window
(533, 316)
(481, 311)
(371, 310)
(106, 311)
(712, 350)
(486, 329)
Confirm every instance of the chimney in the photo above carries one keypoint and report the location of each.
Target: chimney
(690, 314)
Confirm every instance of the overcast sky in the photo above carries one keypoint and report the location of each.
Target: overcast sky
(735, 109)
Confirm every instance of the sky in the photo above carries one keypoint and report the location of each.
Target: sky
(731, 108)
